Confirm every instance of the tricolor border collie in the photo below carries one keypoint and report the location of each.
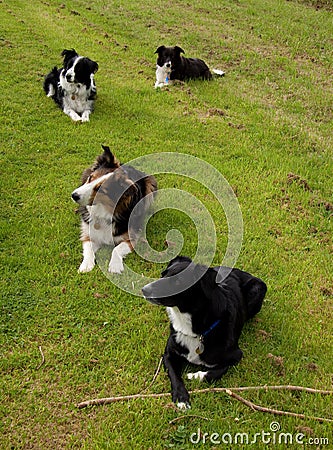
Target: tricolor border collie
(113, 201)
(171, 65)
(73, 87)
(207, 308)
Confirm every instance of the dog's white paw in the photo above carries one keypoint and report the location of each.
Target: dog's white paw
(183, 405)
(197, 375)
(85, 117)
(73, 115)
(159, 84)
(116, 266)
(86, 266)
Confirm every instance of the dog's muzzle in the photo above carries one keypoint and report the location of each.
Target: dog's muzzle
(147, 291)
(69, 78)
(148, 294)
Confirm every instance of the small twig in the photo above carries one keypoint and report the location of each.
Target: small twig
(154, 377)
(186, 416)
(107, 400)
(255, 407)
(43, 358)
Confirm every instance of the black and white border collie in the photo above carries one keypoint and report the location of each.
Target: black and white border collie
(207, 317)
(73, 87)
(113, 201)
(171, 65)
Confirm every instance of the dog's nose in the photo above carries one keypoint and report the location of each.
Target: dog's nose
(75, 197)
(168, 64)
(69, 78)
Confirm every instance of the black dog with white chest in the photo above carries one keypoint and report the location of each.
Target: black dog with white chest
(207, 317)
(180, 68)
(73, 87)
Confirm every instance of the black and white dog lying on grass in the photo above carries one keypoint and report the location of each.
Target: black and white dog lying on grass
(207, 317)
(73, 87)
(172, 66)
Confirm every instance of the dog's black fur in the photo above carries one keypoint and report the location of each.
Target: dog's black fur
(201, 303)
(72, 87)
(182, 68)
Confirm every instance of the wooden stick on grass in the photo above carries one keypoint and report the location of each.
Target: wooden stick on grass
(155, 376)
(229, 391)
(273, 411)
(43, 358)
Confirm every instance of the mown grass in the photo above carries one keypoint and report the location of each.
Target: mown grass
(266, 126)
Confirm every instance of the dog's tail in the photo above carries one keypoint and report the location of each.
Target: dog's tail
(218, 72)
(51, 82)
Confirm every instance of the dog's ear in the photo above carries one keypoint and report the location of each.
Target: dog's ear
(181, 261)
(208, 283)
(160, 49)
(221, 303)
(86, 174)
(68, 54)
(213, 292)
(107, 158)
(179, 50)
(93, 66)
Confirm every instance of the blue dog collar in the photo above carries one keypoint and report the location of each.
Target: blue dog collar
(200, 349)
(215, 324)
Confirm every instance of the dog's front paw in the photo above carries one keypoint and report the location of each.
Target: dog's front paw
(183, 405)
(73, 115)
(116, 265)
(85, 116)
(197, 375)
(180, 397)
(86, 266)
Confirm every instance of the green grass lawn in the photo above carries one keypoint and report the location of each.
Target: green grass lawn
(266, 127)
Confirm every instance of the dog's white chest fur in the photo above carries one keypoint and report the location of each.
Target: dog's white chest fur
(76, 96)
(162, 76)
(182, 324)
(100, 226)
